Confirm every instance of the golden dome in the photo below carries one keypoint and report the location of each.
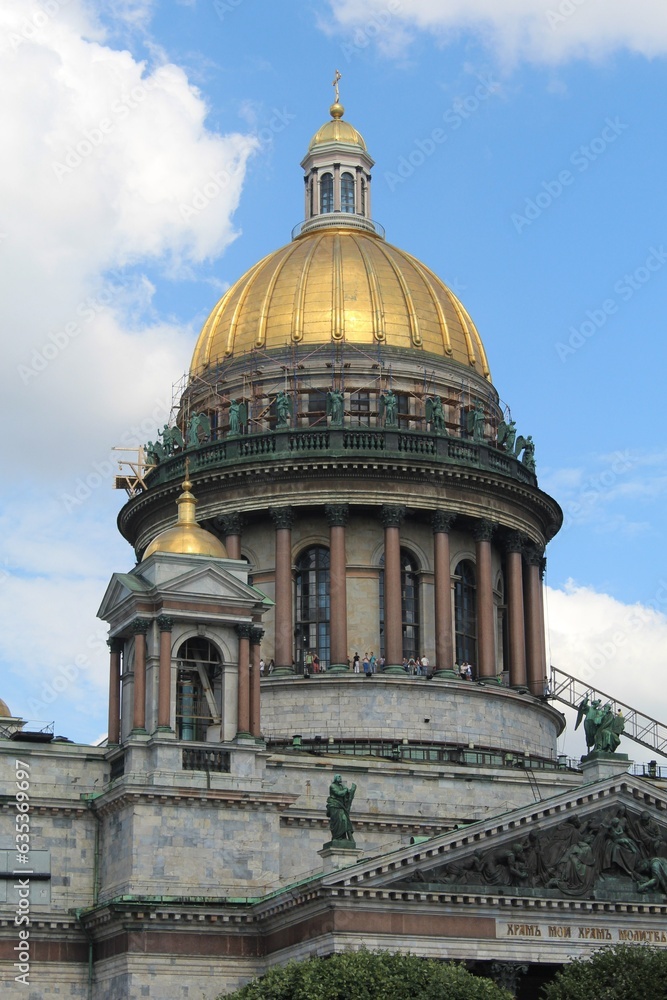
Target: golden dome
(337, 131)
(186, 537)
(337, 285)
(4, 710)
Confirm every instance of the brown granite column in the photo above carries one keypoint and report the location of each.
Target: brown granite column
(283, 518)
(232, 525)
(140, 627)
(165, 624)
(444, 641)
(256, 635)
(486, 647)
(535, 665)
(115, 649)
(543, 637)
(337, 515)
(392, 518)
(243, 718)
(515, 615)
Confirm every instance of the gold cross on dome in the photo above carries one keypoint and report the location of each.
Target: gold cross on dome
(334, 84)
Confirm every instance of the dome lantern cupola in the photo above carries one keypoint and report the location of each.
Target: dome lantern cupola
(337, 174)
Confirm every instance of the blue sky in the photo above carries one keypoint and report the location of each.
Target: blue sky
(520, 152)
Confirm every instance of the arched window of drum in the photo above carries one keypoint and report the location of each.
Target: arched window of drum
(502, 638)
(363, 197)
(465, 613)
(311, 200)
(313, 606)
(347, 193)
(198, 688)
(410, 610)
(326, 193)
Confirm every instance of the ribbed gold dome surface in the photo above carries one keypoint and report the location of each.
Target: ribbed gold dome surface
(340, 285)
(4, 710)
(337, 131)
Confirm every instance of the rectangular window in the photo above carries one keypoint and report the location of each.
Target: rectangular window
(360, 409)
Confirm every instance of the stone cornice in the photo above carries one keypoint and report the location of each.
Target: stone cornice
(123, 795)
(355, 483)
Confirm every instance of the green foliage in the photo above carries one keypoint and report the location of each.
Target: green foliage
(369, 975)
(622, 972)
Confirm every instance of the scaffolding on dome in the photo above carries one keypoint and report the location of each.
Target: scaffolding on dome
(291, 376)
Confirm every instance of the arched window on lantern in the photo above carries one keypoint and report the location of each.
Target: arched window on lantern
(326, 193)
(347, 192)
(198, 688)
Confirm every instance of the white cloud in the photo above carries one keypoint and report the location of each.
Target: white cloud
(108, 167)
(106, 163)
(610, 492)
(549, 31)
(613, 647)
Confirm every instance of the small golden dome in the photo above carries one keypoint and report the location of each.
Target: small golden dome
(4, 710)
(340, 285)
(337, 131)
(186, 537)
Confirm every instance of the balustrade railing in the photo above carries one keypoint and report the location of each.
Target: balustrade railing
(357, 442)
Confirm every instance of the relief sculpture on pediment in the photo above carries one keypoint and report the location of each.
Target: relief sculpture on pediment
(615, 850)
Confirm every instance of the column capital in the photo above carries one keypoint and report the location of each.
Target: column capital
(165, 623)
(256, 635)
(283, 517)
(244, 630)
(483, 530)
(442, 520)
(391, 515)
(232, 524)
(533, 555)
(140, 626)
(115, 645)
(514, 542)
(337, 514)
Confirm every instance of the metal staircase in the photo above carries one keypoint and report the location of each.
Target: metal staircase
(638, 727)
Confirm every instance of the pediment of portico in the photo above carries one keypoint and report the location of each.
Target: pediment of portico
(605, 841)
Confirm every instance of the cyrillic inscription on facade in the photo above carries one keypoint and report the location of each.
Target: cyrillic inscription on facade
(578, 932)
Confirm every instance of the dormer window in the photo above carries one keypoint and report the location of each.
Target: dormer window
(326, 193)
(347, 192)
